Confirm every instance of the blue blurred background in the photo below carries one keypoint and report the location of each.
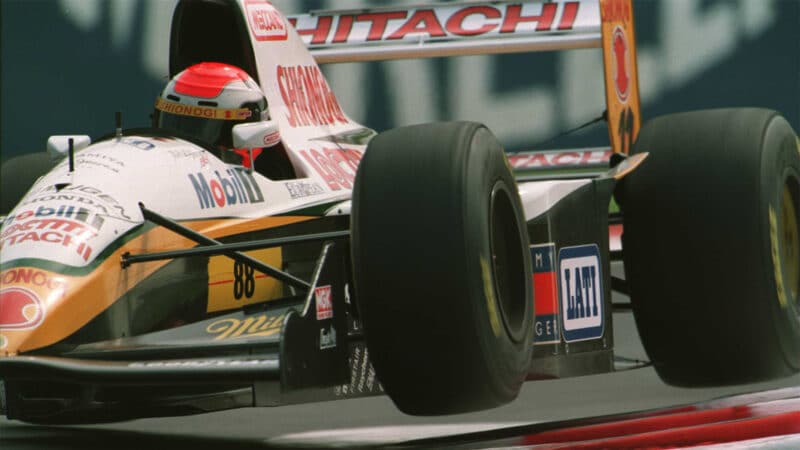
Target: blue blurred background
(68, 65)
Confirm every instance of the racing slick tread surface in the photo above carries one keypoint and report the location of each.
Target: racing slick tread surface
(697, 246)
(422, 263)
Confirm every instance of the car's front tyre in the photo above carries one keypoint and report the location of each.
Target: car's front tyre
(442, 268)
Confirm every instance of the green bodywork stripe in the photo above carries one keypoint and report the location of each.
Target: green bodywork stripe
(76, 271)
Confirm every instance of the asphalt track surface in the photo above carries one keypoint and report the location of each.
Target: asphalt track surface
(376, 422)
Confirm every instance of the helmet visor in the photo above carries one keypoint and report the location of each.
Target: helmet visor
(208, 124)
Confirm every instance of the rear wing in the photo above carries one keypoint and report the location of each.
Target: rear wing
(460, 29)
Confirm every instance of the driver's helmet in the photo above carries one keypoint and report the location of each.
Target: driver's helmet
(206, 100)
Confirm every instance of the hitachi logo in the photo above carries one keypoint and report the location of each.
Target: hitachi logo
(224, 189)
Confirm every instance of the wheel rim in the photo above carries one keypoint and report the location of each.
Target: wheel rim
(789, 238)
(508, 264)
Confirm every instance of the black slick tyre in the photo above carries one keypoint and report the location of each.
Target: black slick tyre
(711, 246)
(18, 174)
(442, 268)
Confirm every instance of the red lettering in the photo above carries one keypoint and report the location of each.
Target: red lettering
(353, 158)
(217, 192)
(566, 158)
(319, 34)
(324, 105)
(326, 175)
(334, 105)
(343, 29)
(308, 98)
(423, 21)
(51, 236)
(69, 227)
(321, 103)
(514, 17)
(24, 215)
(302, 102)
(275, 22)
(331, 167)
(303, 95)
(569, 15)
(8, 231)
(379, 22)
(455, 24)
(336, 166)
(517, 161)
(340, 164)
(32, 236)
(30, 224)
(291, 117)
(266, 22)
(290, 97)
(32, 277)
(297, 97)
(260, 19)
(318, 96)
(24, 276)
(539, 160)
(39, 278)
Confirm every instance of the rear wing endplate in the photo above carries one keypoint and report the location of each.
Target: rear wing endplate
(461, 29)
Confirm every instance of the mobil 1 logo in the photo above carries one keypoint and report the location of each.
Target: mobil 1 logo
(581, 292)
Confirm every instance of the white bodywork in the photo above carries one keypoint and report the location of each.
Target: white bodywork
(70, 217)
(540, 196)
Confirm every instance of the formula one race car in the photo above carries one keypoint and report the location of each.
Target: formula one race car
(158, 272)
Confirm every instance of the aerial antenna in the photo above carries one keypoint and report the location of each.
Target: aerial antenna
(118, 120)
(71, 154)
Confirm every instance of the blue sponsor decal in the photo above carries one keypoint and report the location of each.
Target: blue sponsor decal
(543, 256)
(232, 187)
(582, 293)
(141, 144)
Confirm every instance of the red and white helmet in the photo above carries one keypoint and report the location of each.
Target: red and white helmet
(206, 100)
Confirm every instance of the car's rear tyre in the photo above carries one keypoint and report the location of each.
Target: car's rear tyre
(18, 174)
(442, 268)
(711, 246)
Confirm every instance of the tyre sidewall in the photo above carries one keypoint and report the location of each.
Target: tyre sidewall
(420, 226)
(697, 246)
(780, 162)
(486, 170)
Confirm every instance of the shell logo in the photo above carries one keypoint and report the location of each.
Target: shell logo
(20, 309)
